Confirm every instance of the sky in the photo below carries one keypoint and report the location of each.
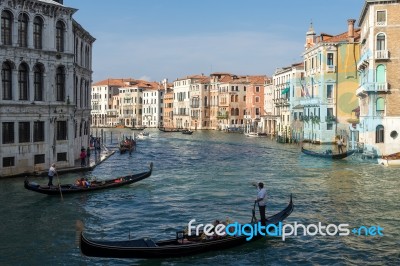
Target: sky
(158, 39)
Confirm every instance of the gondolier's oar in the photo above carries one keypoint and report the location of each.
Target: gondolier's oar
(59, 187)
(254, 218)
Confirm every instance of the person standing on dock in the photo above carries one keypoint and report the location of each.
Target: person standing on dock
(262, 193)
(83, 157)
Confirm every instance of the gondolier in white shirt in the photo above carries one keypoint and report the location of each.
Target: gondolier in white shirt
(261, 200)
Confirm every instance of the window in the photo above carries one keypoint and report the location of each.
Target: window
(257, 99)
(8, 161)
(62, 157)
(24, 132)
(23, 81)
(23, 30)
(380, 134)
(6, 27)
(37, 33)
(61, 130)
(8, 132)
(60, 31)
(257, 111)
(39, 158)
(381, 17)
(330, 59)
(38, 131)
(6, 79)
(257, 89)
(60, 84)
(380, 106)
(380, 42)
(329, 91)
(329, 126)
(38, 83)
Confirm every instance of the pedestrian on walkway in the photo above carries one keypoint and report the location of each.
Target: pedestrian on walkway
(83, 157)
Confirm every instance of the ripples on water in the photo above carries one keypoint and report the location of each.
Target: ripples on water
(208, 176)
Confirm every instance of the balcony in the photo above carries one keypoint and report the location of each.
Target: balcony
(373, 87)
(330, 68)
(222, 115)
(330, 119)
(309, 102)
(382, 55)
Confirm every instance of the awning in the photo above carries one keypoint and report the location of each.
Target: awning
(286, 90)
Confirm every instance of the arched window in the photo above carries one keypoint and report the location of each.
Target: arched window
(232, 98)
(38, 83)
(23, 30)
(205, 101)
(380, 134)
(60, 34)
(60, 84)
(232, 111)
(380, 42)
(380, 104)
(6, 79)
(237, 111)
(380, 74)
(38, 33)
(6, 27)
(23, 82)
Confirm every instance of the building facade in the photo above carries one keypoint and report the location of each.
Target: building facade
(46, 59)
(379, 88)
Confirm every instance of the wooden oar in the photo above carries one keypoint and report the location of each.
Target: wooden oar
(59, 187)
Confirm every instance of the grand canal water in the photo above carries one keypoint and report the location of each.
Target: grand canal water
(208, 176)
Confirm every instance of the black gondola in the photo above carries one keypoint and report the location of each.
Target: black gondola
(138, 128)
(180, 246)
(164, 129)
(94, 185)
(328, 155)
(187, 132)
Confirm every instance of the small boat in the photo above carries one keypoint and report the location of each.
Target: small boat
(143, 135)
(94, 185)
(164, 129)
(390, 160)
(127, 145)
(187, 132)
(255, 134)
(328, 154)
(182, 245)
(138, 128)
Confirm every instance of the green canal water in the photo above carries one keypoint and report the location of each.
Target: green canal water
(208, 176)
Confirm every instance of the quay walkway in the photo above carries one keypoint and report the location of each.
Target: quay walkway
(96, 157)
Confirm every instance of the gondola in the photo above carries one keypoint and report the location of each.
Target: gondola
(181, 246)
(94, 185)
(187, 132)
(138, 128)
(328, 155)
(164, 129)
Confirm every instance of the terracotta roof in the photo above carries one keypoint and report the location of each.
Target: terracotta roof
(121, 82)
(341, 37)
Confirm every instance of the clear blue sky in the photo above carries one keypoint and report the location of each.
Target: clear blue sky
(157, 39)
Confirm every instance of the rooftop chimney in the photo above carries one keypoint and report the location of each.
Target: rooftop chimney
(350, 31)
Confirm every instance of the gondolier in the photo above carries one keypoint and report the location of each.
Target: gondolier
(52, 172)
(262, 193)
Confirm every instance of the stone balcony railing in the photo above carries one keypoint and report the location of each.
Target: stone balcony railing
(372, 87)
